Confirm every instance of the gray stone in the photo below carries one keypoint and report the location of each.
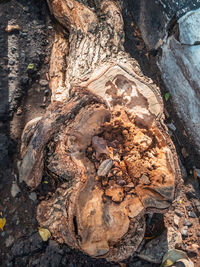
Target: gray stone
(15, 190)
(154, 250)
(179, 213)
(43, 83)
(11, 62)
(3, 234)
(23, 34)
(46, 92)
(33, 196)
(198, 233)
(188, 223)
(176, 220)
(191, 214)
(9, 241)
(184, 231)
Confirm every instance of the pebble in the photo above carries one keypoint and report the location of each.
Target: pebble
(121, 182)
(9, 241)
(43, 105)
(19, 111)
(198, 233)
(176, 220)
(171, 126)
(11, 62)
(184, 231)
(13, 49)
(50, 27)
(179, 213)
(3, 234)
(46, 92)
(43, 83)
(15, 190)
(105, 167)
(188, 223)
(191, 214)
(145, 180)
(33, 196)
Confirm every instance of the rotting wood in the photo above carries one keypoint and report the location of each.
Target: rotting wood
(103, 135)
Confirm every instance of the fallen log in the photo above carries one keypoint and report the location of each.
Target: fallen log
(103, 137)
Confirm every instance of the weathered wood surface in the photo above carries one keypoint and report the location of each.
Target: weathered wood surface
(103, 138)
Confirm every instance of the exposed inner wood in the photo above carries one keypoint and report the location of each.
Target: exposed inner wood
(103, 138)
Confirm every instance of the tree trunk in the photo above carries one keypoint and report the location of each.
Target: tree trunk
(103, 138)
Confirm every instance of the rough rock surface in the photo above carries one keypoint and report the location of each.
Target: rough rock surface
(182, 56)
(173, 27)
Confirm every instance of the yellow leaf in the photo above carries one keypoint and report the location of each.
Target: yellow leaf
(44, 233)
(168, 263)
(180, 201)
(45, 182)
(2, 223)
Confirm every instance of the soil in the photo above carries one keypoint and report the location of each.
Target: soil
(24, 57)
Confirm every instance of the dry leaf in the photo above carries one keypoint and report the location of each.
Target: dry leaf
(11, 28)
(2, 223)
(44, 233)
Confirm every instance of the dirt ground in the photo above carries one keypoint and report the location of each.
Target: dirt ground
(24, 94)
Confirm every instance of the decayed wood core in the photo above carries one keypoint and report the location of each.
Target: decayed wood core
(103, 137)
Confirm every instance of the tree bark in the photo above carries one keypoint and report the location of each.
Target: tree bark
(103, 137)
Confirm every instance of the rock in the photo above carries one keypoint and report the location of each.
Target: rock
(171, 126)
(177, 257)
(33, 196)
(19, 111)
(198, 233)
(191, 214)
(11, 62)
(105, 167)
(13, 49)
(179, 53)
(194, 248)
(179, 213)
(52, 255)
(46, 92)
(9, 241)
(176, 220)
(43, 83)
(23, 34)
(145, 180)
(43, 105)
(26, 246)
(174, 238)
(189, 28)
(184, 231)
(188, 223)
(15, 190)
(3, 234)
(154, 250)
(184, 85)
